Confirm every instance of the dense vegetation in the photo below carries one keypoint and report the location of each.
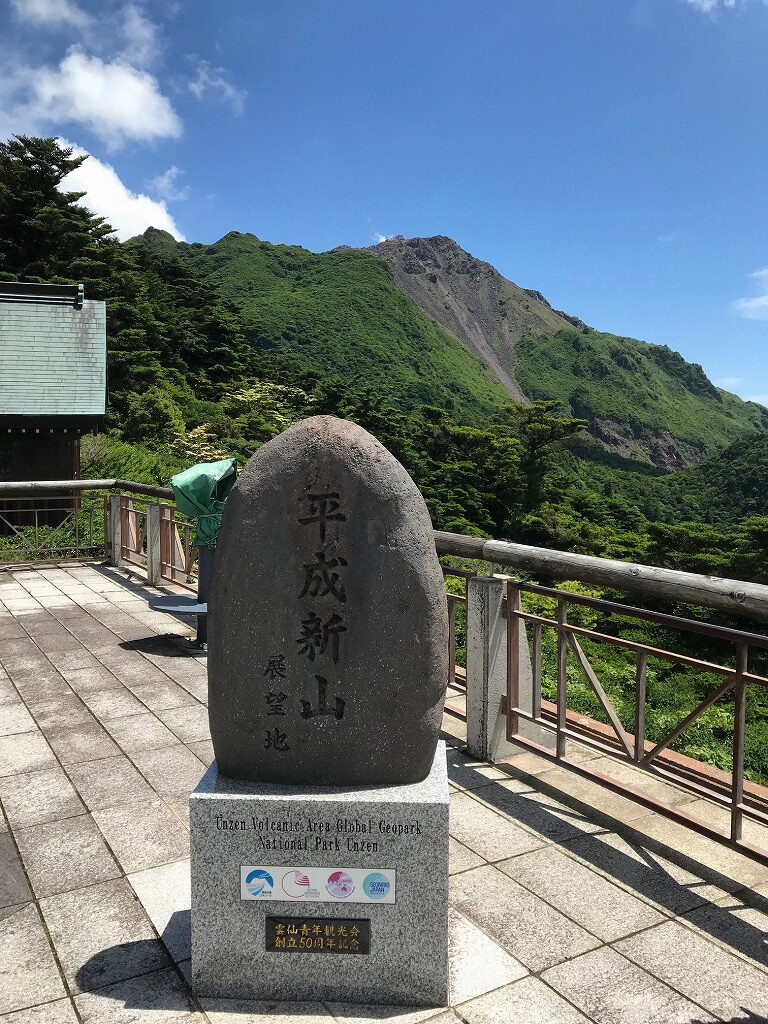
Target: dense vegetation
(645, 399)
(214, 349)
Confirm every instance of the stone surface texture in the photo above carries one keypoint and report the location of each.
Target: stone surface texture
(97, 934)
(408, 959)
(325, 532)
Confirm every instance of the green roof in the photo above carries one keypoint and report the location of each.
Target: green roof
(52, 357)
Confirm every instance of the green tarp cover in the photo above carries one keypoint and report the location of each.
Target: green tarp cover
(201, 491)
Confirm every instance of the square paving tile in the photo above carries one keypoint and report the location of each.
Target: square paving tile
(25, 752)
(139, 732)
(59, 1012)
(143, 835)
(546, 816)
(164, 893)
(131, 667)
(189, 723)
(460, 857)
(91, 679)
(204, 750)
(469, 773)
(77, 743)
(718, 981)
(720, 818)
(491, 835)
(529, 1001)
(586, 897)
(734, 868)
(9, 695)
(650, 785)
(73, 660)
(109, 782)
(63, 855)
(116, 702)
(102, 935)
(612, 990)
(157, 998)
(61, 640)
(13, 883)
(39, 796)
(170, 770)
(667, 884)
(42, 687)
(740, 922)
(243, 1011)
(348, 1013)
(533, 932)
(476, 964)
(161, 695)
(15, 719)
(60, 710)
(29, 973)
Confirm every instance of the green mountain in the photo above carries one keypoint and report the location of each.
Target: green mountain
(338, 313)
(642, 402)
(724, 488)
(471, 299)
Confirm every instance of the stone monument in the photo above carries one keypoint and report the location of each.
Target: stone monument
(320, 833)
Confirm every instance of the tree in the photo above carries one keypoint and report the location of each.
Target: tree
(44, 234)
(538, 430)
(153, 418)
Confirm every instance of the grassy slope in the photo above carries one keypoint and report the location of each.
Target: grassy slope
(724, 488)
(644, 390)
(340, 313)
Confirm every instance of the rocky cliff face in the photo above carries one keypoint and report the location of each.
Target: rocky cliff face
(470, 298)
(641, 401)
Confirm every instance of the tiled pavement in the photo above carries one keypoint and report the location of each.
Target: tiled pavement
(569, 904)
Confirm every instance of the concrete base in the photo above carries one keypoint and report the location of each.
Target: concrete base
(375, 860)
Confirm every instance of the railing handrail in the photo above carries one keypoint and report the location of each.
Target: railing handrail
(24, 488)
(733, 596)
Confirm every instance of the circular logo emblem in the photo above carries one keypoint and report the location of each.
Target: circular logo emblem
(255, 881)
(295, 884)
(340, 885)
(376, 886)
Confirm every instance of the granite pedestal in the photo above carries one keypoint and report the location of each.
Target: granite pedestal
(291, 884)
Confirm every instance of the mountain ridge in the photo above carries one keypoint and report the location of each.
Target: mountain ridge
(543, 354)
(424, 322)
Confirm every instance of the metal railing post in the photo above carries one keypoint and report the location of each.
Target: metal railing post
(154, 567)
(115, 528)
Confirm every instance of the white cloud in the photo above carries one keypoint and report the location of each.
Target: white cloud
(710, 6)
(115, 100)
(378, 237)
(165, 185)
(756, 306)
(729, 383)
(128, 212)
(51, 12)
(209, 79)
(142, 46)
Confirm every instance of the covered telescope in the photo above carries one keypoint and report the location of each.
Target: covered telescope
(201, 491)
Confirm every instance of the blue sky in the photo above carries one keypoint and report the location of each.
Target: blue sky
(611, 153)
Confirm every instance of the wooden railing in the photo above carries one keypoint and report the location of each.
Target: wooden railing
(151, 535)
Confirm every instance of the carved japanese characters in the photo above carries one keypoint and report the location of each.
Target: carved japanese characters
(327, 658)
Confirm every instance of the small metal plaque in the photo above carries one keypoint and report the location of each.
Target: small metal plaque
(318, 935)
